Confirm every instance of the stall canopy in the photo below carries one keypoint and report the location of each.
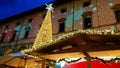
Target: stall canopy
(79, 44)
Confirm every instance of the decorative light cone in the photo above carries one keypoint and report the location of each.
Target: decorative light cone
(45, 33)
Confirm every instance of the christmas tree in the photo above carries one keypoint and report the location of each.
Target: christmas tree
(45, 33)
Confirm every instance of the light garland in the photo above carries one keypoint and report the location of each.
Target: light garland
(31, 56)
(116, 60)
(52, 62)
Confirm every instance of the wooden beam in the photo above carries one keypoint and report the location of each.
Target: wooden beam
(89, 48)
(92, 47)
(89, 64)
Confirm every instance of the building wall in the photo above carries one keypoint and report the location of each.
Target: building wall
(103, 17)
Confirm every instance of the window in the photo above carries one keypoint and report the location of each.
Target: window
(86, 3)
(61, 27)
(26, 34)
(63, 10)
(2, 38)
(27, 30)
(13, 37)
(5, 30)
(61, 24)
(30, 20)
(87, 19)
(118, 16)
(16, 31)
(116, 9)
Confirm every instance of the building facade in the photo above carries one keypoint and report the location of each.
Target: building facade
(19, 33)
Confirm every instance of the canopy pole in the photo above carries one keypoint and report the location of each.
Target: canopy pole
(89, 64)
(43, 63)
(25, 58)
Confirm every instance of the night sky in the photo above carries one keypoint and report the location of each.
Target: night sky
(10, 8)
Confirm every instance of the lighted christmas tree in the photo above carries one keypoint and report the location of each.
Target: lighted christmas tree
(45, 33)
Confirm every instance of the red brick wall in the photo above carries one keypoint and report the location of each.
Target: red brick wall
(103, 17)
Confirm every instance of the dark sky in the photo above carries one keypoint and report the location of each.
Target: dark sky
(12, 7)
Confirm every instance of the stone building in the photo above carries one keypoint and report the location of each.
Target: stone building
(19, 32)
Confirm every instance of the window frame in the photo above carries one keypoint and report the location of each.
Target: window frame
(115, 9)
(61, 21)
(84, 15)
(30, 20)
(63, 10)
(84, 2)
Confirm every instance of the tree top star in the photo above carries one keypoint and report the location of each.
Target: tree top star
(49, 7)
